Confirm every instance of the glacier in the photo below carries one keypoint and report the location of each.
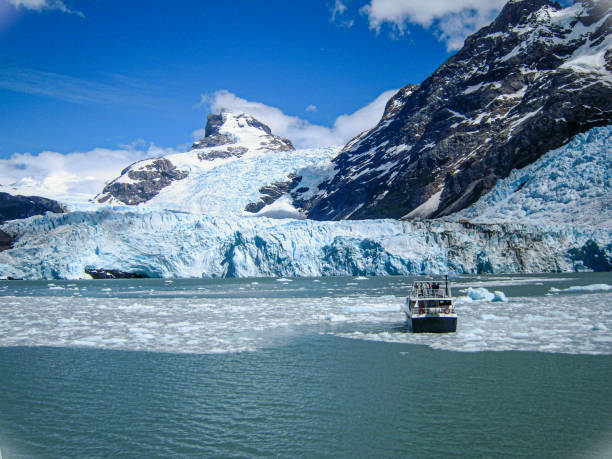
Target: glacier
(569, 185)
(170, 244)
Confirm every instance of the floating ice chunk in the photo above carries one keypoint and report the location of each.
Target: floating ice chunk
(499, 296)
(480, 294)
(463, 299)
(584, 288)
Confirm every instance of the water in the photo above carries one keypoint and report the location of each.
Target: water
(303, 367)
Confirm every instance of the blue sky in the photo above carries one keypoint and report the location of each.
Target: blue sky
(136, 70)
(131, 79)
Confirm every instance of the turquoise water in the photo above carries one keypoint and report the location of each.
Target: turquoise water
(303, 368)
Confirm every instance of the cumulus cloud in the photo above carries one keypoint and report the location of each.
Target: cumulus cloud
(452, 20)
(311, 108)
(75, 176)
(40, 5)
(302, 133)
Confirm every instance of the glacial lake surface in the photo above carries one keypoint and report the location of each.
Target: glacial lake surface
(316, 367)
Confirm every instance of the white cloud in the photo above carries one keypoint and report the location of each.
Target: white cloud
(76, 176)
(302, 133)
(452, 20)
(40, 5)
(311, 108)
(337, 14)
(338, 9)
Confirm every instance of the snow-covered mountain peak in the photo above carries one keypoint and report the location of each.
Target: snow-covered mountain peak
(229, 128)
(220, 175)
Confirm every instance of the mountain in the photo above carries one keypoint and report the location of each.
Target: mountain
(144, 242)
(16, 207)
(220, 175)
(526, 84)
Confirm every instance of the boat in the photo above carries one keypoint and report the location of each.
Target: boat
(430, 307)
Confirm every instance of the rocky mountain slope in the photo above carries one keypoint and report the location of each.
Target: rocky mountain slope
(16, 207)
(520, 87)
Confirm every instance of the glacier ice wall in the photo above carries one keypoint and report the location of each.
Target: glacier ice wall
(172, 244)
(571, 185)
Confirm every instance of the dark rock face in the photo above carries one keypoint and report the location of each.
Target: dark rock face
(146, 179)
(113, 274)
(592, 257)
(16, 207)
(212, 136)
(6, 241)
(222, 154)
(272, 192)
(513, 93)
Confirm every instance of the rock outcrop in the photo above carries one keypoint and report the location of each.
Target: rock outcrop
(16, 207)
(142, 181)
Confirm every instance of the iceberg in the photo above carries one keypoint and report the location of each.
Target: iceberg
(482, 294)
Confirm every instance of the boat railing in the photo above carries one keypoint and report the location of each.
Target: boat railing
(430, 292)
